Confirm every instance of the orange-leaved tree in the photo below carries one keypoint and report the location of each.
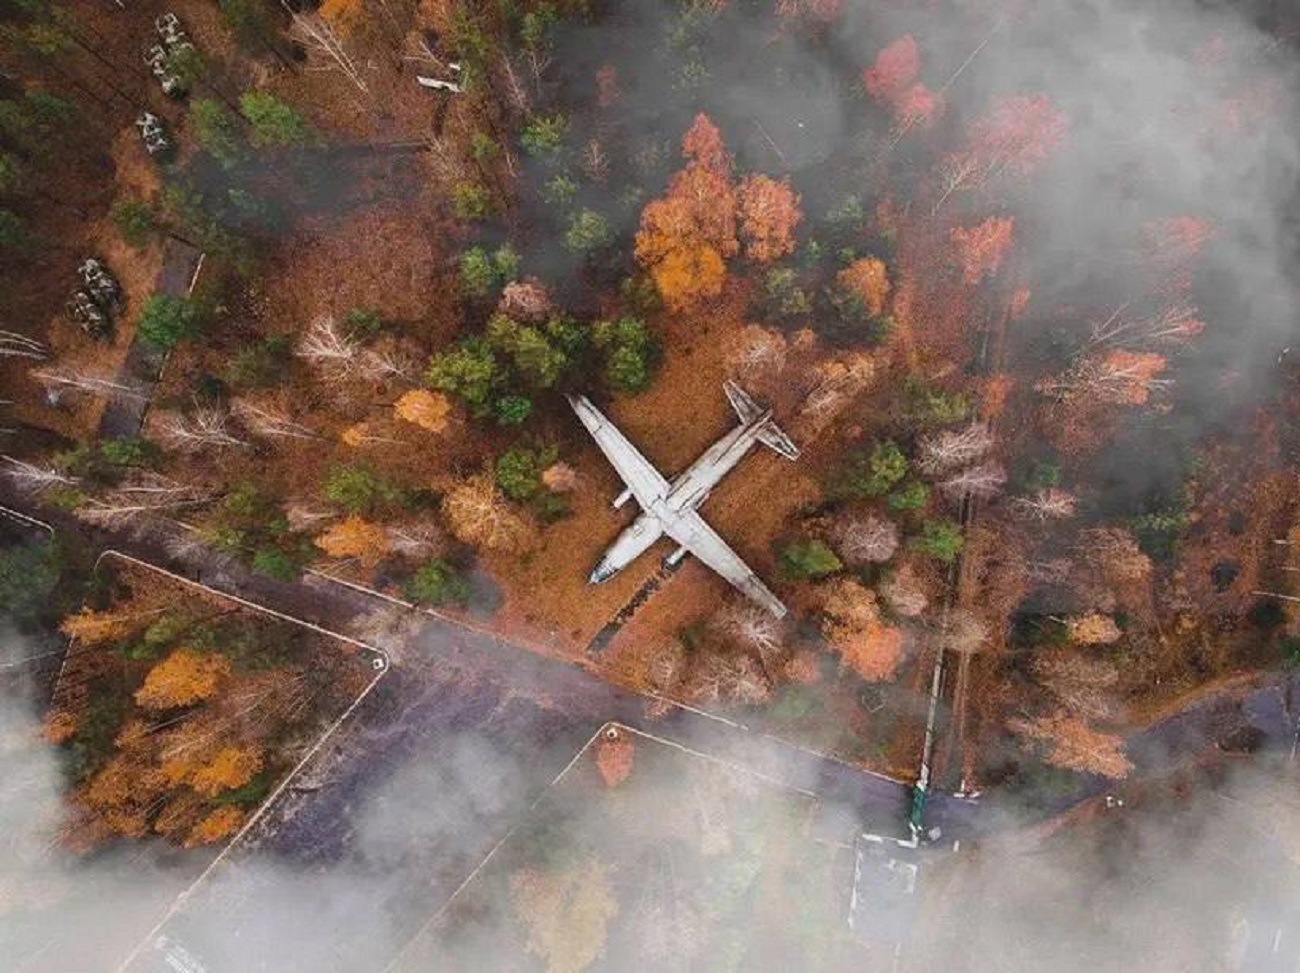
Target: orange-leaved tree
(868, 280)
(230, 767)
(892, 81)
(852, 624)
(895, 69)
(221, 823)
(980, 248)
(769, 212)
(686, 236)
(427, 409)
(94, 627)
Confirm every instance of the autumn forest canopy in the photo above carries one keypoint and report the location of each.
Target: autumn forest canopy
(297, 301)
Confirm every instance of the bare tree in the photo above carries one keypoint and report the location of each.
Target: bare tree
(1053, 571)
(1174, 324)
(838, 382)
(269, 422)
(525, 300)
(207, 426)
(1118, 378)
(316, 34)
(954, 173)
(1115, 553)
(1049, 503)
(516, 94)
(752, 627)
(35, 479)
(328, 348)
(863, 540)
(421, 539)
(981, 481)
(902, 592)
(761, 353)
(86, 380)
(1083, 684)
(301, 517)
(595, 163)
(15, 345)
(445, 160)
(735, 678)
(382, 364)
(953, 449)
(963, 633)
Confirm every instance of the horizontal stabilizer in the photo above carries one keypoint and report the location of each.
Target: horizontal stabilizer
(771, 436)
(742, 402)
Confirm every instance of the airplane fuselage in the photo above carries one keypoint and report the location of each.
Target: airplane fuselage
(686, 492)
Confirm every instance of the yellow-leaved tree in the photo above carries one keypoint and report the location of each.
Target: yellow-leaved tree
(183, 678)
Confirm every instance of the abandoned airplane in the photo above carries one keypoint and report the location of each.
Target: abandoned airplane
(671, 508)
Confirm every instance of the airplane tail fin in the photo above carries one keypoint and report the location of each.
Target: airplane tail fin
(770, 434)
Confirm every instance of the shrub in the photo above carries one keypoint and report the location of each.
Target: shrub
(505, 261)
(483, 147)
(477, 274)
(588, 231)
(866, 474)
(217, 131)
(471, 202)
(437, 582)
(29, 576)
(358, 489)
(1291, 650)
(166, 320)
(641, 295)
(912, 495)
(630, 353)
(519, 470)
(560, 190)
(469, 371)
(481, 272)
(272, 121)
(261, 363)
(803, 560)
(511, 410)
(1158, 531)
(129, 451)
(926, 406)
(188, 64)
(275, 563)
(537, 358)
(940, 539)
(543, 136)
(782, 295)
(134, 221)
(363, 323)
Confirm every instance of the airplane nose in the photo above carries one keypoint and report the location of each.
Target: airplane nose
(598, 574)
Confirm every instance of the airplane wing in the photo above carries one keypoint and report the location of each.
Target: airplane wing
(645, 482)
(690, 530)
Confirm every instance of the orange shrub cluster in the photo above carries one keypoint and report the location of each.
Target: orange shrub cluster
(356, 538)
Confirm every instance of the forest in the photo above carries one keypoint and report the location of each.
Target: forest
(313, 281)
